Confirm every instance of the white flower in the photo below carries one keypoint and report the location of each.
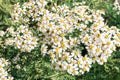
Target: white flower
(9, 41)
(43, 49)
(2, 33)
(74, 71)
(60, 66)
(18, 66)
(79, 62)
(84, 69)
(11, 31)
(102, 60)
(57, 50)
(66, 56)
(76, 53)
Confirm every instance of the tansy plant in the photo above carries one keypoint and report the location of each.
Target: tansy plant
(74, 37)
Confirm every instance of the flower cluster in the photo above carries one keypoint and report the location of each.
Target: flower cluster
(6, 37)
(3, 72)
(24, 39)
(74, 37)
(30, 11)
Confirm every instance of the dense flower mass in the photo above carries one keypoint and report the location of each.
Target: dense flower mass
(74, 37)
(3, 72)
(24, 39)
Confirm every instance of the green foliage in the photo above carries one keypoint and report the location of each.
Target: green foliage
(111, 16)
(110, 70)
(33, 66)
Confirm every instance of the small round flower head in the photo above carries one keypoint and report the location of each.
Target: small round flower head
(2, 33)
(9, 41)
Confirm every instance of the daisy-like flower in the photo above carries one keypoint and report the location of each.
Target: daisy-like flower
(57, 50)
(102, 60)
(76, 53)
(43, 49)
(2, 33)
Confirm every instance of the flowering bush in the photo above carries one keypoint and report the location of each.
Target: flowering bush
(73, 37)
